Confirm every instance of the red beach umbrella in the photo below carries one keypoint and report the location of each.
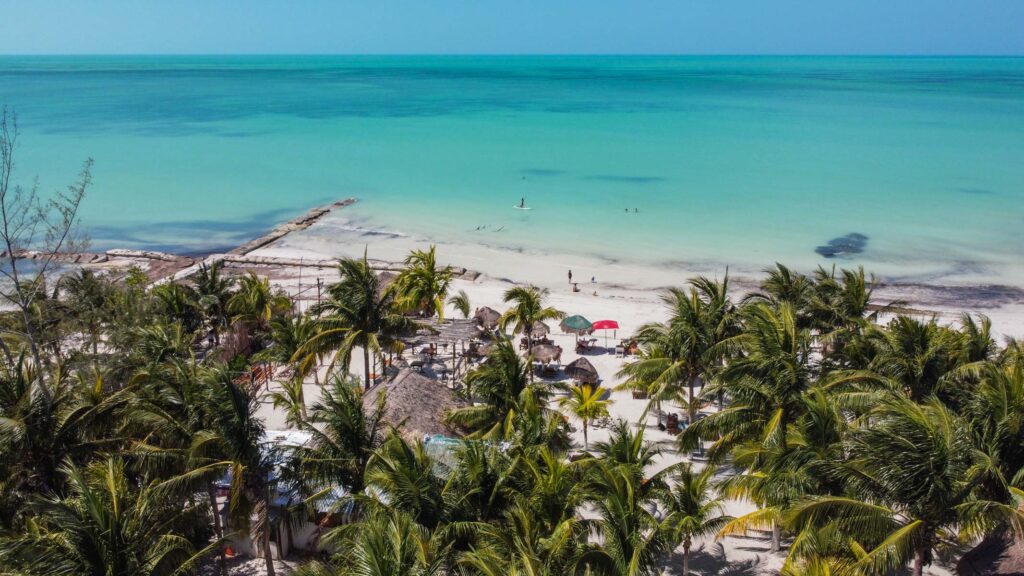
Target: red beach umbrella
(606, 325)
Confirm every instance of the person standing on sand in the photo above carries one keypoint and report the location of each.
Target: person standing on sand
(570, 276)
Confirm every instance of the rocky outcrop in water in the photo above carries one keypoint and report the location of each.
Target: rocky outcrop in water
(852, 243)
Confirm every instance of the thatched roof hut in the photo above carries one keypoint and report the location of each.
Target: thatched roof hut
(416, 404)
(1000, 554)
(582, 371)
(487, 317)
(539, 330)
(384, 281)
(546, 353)
(449, 331)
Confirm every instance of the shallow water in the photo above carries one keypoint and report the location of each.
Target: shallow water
(691, 161)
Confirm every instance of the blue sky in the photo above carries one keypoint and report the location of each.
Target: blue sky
(512, 26)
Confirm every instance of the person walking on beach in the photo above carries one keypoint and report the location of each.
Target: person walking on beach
(570, 276)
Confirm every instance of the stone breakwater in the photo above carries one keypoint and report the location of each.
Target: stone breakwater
(300, 223)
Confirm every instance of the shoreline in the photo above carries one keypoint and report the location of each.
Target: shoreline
(332, 237)
(319, 236)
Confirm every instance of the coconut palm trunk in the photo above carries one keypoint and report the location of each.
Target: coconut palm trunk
(686, 556)
(264, 511)
(366, 366)
(692, 404)
(918, 564)
(218, 527)
(776, 536)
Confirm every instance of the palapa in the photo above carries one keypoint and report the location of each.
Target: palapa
(416, 404)
(999, 553)
(539, 330)
(487, 317)
(582, 371)
(546, 353)
(447, 331)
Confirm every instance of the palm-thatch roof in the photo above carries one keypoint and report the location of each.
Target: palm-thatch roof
(546, 353)
(582, 371)
(539, 330)
(416, 404)
(487, 317)
(1000, 554)
(384, 281)
(448, 331)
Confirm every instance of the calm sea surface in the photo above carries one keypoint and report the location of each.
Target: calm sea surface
(699, 161)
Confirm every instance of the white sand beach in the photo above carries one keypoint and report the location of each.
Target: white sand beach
(621, 290)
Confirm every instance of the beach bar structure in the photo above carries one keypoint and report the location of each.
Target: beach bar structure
(415, 404)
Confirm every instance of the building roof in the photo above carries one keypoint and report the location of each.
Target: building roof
(417, 405)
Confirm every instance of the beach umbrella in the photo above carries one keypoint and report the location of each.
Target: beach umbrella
(606, 325)
(546, 353)
(576, 325)
(487, 317)
(539, 330)
(582, 371)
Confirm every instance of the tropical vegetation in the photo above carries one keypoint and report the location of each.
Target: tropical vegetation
(869, 440)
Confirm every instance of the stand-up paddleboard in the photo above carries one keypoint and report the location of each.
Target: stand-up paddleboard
(518, 207)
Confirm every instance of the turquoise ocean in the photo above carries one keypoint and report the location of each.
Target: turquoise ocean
(697, 161)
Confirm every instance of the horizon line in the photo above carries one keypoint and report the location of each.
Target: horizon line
(532, 54)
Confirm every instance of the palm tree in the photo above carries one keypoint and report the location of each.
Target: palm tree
(358, 312)
(996, 417)
(344, 436)
(632, 539)
(686, 348)
(915, 476)
(287, 335)
(168, 414)
(694, 508)
(766, 382)
(977, 343)
(628, 449)
(586, 404)
(509, 404)
(404, 478)
(236, 440)
(522, 546)
(387, 543)
(773, 483)
(255, 303)
(527, 309)
(44, 423)
(105, 526)
(423, 286)
(88, 297)
(554, 489)
(461, 303)
(784, 285)
(179, 303)
(912, 356)
(214, 293)
(843, 302)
